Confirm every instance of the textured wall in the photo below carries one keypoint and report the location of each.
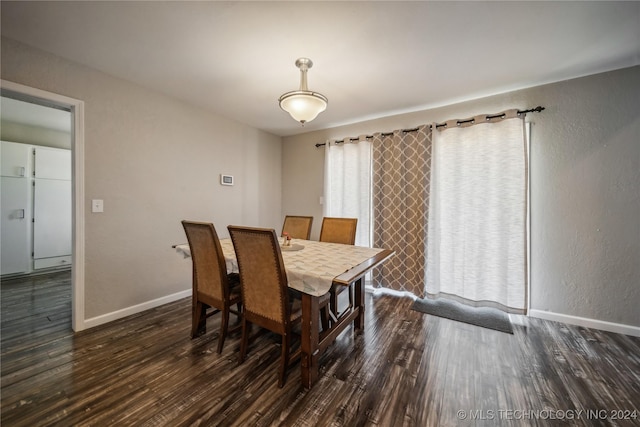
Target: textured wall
(155, 161)
(586, 199)
(585, 188)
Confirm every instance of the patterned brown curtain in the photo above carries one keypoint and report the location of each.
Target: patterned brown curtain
(401, 174)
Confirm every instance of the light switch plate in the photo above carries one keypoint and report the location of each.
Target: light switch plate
(97, 205)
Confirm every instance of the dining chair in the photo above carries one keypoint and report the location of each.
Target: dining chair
(213, 288)
(266, 299)
(338, 230)
(298, 227)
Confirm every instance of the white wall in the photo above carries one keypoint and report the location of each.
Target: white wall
(33, 135)
(585, 189)
(154, 160)
(29, 123)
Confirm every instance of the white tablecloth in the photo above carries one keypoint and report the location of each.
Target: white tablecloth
(310, 270)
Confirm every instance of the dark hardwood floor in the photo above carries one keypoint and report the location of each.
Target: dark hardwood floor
(405, 369)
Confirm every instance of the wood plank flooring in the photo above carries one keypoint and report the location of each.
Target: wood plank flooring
(405, 369)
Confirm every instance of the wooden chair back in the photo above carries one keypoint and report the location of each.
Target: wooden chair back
(265, 291)
(339, 230)
(262, 277)
(298, 227)
(209, 269)
(214, 291)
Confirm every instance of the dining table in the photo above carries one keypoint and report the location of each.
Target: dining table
(312, 268)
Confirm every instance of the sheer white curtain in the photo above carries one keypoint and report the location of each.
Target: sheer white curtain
(476, 249)
(347, 184)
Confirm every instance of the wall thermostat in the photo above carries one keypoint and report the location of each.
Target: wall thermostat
(226, 179)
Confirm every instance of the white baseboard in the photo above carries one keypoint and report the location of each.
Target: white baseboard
(119, 314)
(586, 322)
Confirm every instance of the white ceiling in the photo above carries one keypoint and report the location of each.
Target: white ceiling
(371, 59)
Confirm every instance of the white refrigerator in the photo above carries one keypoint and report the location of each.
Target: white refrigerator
(36, 208)
(51, 208)
(15, 207)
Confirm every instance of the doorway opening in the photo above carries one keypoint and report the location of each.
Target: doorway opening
(75, 107)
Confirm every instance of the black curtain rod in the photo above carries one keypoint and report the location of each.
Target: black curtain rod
(538, 109)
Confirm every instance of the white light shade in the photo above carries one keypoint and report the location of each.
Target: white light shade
(303, 106)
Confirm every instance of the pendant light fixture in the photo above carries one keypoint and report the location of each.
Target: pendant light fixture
(303, 105)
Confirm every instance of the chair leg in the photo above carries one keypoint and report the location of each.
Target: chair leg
(224, 326)
(333, 303)
(246, 328)
(350, 290)
(324, 318)
(284, 360)
(198, 319)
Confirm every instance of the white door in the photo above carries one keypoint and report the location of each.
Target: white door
(16, 225)
(51, 218)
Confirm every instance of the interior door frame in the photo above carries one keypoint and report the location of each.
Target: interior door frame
(76, 106)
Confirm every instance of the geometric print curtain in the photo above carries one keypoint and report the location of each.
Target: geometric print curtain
(401, 182)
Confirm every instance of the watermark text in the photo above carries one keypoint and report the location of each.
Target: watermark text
(548, 414)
